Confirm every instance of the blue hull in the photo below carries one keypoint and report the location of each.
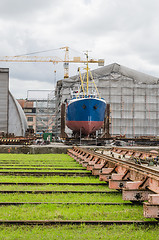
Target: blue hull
(86, 114)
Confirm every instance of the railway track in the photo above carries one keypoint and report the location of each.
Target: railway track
(54, 191)
(130, 165)
(50, 173)
(94, 204)
(76, 222)
(47, 168)
(64, 203)
(140, 168)
(53, 183)
(138, 182)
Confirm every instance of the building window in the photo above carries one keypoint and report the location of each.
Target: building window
(30, 127)
(30, 119)
(28, 110)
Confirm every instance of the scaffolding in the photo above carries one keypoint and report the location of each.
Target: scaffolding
(133, 97)
(44, 101)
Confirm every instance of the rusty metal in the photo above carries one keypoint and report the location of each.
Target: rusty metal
(94, 160)
(55, 191)
(63, 113)
(133, 153)
(136, 172)
(119, 180)
(65, 203)
(151, 211)
(16, 140)
(47, 168)
(137, 181)
(98, 166)
(136, 195)
(76, 222)
(34, 165)
(81, 174)
(51, 183)
(106, 133)
(151, 208)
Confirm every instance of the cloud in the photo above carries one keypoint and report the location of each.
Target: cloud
(21, 10)
(119, 31)
(23, 86)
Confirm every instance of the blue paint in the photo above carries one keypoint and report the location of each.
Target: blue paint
(86, 109)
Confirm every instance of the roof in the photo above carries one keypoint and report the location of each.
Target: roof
(137, 76)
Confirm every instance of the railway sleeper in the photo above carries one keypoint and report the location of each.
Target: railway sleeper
(92, 163)
(137, 184)
(136, 191)
(84, 158)
(135, 195)
(86, 161)
(117, 184)
(118, 181)
(151, 208)
(97, 168)
(104, 177)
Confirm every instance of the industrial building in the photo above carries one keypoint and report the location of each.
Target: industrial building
(133, 97)
(39, 109)
(12, 117)
(30, 112)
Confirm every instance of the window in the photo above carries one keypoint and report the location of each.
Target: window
(27, 110)
(30, 127)
(30, 119)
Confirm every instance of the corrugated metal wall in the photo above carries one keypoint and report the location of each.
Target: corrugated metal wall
(4, 98)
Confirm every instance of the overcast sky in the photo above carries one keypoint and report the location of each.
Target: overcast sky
(126, 32)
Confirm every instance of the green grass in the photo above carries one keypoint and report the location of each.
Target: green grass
(56, 179)
(61, 197)
(38, 158)
(54, 163)
(30, 164)
(53, 187)
(42, 168)
(71, 212)
(46, 170)
(82, 232)
(65, 212)
(45, 163)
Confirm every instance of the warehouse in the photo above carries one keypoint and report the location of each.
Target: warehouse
(133, 98)
(12, 118)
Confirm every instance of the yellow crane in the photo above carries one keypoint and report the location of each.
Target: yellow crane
(51, 59)
(66, 64)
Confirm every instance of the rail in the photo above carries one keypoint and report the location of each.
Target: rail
(144, 170)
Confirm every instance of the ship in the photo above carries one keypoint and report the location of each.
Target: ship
(85, 110)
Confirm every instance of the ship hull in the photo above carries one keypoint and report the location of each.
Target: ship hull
(85, 115)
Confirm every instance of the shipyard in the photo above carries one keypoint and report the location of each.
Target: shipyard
(79, 120)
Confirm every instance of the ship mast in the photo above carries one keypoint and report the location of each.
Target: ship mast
(100, 63)
(87, 69)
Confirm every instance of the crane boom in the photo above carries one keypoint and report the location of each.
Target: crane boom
(30, 59)
(51, 59)
(46, 59)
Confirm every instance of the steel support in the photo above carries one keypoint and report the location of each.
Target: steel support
(151, 208)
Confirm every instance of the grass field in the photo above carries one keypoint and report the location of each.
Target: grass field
(64, 212)
(82, 232)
